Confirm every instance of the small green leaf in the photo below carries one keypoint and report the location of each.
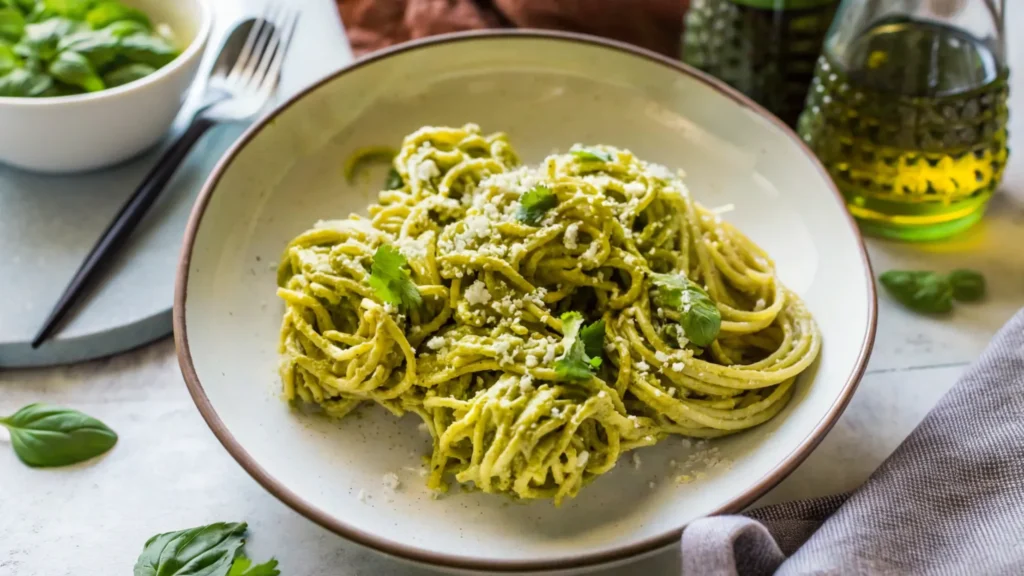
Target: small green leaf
(699, 316)
(203, 551)
(46, 436)
(74, 69)
(394, 180)
(535, 203)
(125, 28)
(592, 155)
(243, 567)
(24, 83)
(126, 74)
(968, 285)
(148, 49)
(921, 291)
(8, 59)
(100, 48)
(12, 24)
(583, 347)
(106, 13)
(390, 279)
(76, 9)
(41, 39)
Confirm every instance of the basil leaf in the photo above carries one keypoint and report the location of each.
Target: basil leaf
(390, 279)
(699, 316)
(535, 203)
(146, 49)
(12, 24)
(24, 83)
(968, 285)
(582, 348)
(47, 436)
(591, 155)
(8, 59)
(125, 28)
(127, 74)
(203, 551)
(70, 8)
(394, 180)
(42, 38)
(100, 48)
(74, 69)
(106, 13)
(243, 567)
(921, 291)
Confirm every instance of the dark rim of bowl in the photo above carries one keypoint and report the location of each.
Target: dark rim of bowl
(394, 548)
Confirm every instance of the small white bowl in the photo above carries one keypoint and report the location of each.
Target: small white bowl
(90, 131)
(546, 91)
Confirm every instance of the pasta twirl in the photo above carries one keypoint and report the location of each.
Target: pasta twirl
(563, 314)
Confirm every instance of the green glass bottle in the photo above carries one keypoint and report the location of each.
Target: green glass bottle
(908, 111)
(764, 48)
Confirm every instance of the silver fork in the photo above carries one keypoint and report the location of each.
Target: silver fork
(241, 83)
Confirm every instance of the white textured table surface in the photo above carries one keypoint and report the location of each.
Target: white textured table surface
(169, 472)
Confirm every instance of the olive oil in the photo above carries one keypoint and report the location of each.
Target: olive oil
(911, 123)
(763, 48)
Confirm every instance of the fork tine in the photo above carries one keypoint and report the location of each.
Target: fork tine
(262, 44)
(273, 45)
(270, 73)
(250, 43)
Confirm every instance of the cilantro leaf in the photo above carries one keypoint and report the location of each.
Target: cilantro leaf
(591, 155)
(390, 279)
(535, 203)
(243, 567)
(583, 346)
(699, 316)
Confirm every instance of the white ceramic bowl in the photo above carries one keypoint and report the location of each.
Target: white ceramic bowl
(547, 91)
(90, 131)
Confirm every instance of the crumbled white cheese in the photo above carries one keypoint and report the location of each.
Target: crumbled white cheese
(643, 366)
(531, 361)
(636, 461)
(661, 356)
(526, 384)
(477, 293)
(591, 252)
(435, 343)
(427, 170)
(651, 485)
(549, 354)
(601, 394)
(635, 188)
(362, 495)
(584, 457)
(677, 367)
(423, 428)
(571, 235)
(760, 305)
(391, 482)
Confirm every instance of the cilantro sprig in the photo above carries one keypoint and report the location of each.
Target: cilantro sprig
(390, 279)
(699, 316)
(583, 346)
(535, 203)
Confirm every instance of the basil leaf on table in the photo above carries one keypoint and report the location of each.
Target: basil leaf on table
(106, 13)
(213, 550)
(968, 285)
(74, 69)
(126, 74)
(48, 436)
(699, 315)
(147, 49)
(12, 24)
(22, 82)
(919, 290)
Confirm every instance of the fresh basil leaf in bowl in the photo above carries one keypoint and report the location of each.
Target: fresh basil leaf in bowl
(8, 59)
(47, 436)
(22, 82)
(126, 28)
(99, 47)
(42, 38)
(148, 49)
(107, 13)
(12, 24)
(126, 74)
(74, 69)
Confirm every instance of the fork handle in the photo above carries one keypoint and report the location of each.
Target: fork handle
(118, 231)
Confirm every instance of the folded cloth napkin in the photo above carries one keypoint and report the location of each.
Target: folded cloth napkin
(949, 500)
(653, 24)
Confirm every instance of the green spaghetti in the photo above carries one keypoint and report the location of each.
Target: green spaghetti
(541, 320)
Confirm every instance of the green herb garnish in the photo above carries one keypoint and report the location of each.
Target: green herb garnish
(394, 180)
(931, 292)
(390, 279)
(65, 47)
(214, 550)
(47, 436)
(535, 203)
(591, 155)
(583, 348)
(699, 316)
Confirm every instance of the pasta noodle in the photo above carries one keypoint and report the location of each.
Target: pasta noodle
(541, 321)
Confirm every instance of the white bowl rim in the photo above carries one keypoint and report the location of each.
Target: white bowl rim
(398, 549)
(195, 49)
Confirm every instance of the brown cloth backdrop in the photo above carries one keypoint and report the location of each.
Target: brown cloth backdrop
(375, 24)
